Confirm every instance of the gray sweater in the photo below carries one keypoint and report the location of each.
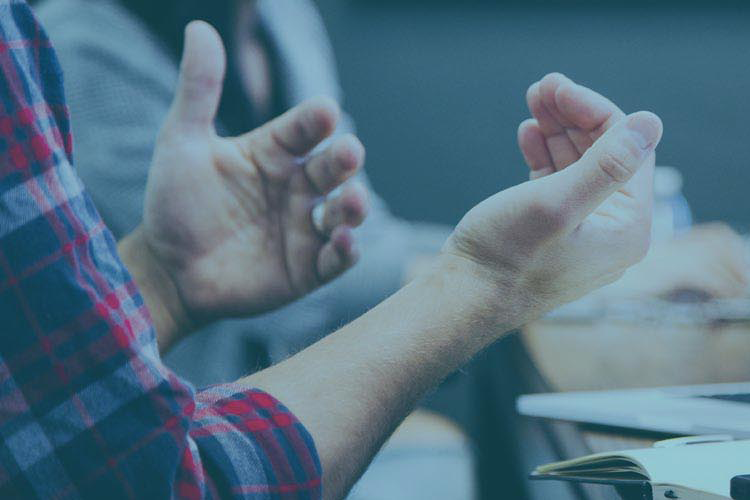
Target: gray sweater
(119, 83)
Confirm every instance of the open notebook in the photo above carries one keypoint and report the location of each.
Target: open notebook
(689, 472)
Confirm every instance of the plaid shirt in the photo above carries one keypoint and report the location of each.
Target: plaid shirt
(87, 410)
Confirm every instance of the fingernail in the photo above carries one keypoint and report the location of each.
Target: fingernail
(318, 218)
(645, 129)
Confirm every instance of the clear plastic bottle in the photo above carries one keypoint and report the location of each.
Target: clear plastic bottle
(671, 210)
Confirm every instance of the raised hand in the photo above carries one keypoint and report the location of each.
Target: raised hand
(567, 119)
(585, 216)
(229, 220)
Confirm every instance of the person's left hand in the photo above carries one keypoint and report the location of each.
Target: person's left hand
(229, 220)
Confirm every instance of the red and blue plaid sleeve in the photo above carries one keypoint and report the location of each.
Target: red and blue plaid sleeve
(87, 410)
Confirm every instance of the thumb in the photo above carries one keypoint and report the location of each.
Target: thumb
(609, 165)
(201, 78)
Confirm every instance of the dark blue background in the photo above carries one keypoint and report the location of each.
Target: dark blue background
(437, 89)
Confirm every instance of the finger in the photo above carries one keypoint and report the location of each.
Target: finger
(584, 115)
(609, 165)
(201, 79)
(534, 149)
(562, 150)
(301, 129)
(587, 110)
(336, 164)
(347, 208)
(278, 145)
(590, 114)
(337, 255)
(547, 123)
(562, 146)
(548, 87)
(581, 139)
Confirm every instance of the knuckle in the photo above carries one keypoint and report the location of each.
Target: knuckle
(300, 131)
(617, 164)
(200, 84)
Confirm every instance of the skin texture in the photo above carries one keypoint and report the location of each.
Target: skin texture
(579, 224)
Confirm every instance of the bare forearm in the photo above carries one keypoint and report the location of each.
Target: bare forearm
(353, 388)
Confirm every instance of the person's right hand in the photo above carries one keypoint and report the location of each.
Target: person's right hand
(708, 261)
(566, 232)
(567, 119)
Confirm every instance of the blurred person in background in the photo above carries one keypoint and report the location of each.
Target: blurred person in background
(120, 59)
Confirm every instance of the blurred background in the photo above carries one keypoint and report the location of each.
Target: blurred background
(437, 89)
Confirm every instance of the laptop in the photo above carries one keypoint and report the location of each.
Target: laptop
(685, 410)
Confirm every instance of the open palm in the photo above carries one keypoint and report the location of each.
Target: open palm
(230, 218)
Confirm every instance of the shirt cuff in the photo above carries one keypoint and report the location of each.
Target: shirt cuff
(254, 444)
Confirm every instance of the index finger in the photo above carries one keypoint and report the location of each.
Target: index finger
(278, 143)
(586, 109)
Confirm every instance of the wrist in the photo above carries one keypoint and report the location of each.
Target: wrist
(471, 292)
(157, 288)
(496, 295)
